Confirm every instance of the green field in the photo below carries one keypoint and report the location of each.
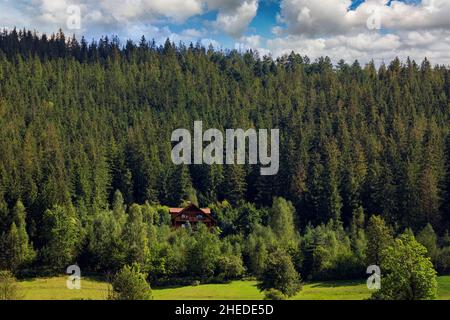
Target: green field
(55, 289)
(247, 290)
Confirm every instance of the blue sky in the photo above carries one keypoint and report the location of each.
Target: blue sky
(358, 29)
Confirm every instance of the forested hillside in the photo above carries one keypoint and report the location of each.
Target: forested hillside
(79, 121)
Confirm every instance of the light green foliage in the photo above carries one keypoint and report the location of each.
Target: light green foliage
(256, 248)
(130, 284)
(282, 221)
(9, 290)
(327, 253)
(358, 238)
(16, 250)
(135, 236)
(406, 272)
(118, 208)
(427, 237)
(203, 249)
(229, 267)
(62, 233)
(105, 242)
(379, 237)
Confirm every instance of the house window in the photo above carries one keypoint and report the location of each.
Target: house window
(200, 217)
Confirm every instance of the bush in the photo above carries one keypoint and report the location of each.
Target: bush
(274, 294)
(230, 267)
(280, 274)
(8, 286)
(130, 284)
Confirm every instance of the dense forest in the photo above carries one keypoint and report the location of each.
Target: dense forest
(86, 174)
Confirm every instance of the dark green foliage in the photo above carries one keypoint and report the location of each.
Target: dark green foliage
(280, 274)
(274, 294)
(328, 253)
(346, 141)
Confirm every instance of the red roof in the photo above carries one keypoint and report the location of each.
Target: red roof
(178, 210)
(175, 210)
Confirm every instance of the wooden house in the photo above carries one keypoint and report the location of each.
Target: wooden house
(192, 214)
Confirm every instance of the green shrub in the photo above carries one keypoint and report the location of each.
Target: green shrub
(274, 294)
(8, 286)
(230, 267)
(130, 284)
(280, 274)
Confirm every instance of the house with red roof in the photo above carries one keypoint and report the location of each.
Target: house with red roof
(192, 214)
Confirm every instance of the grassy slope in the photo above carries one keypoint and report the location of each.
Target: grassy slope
(55, 289)
(444, 288)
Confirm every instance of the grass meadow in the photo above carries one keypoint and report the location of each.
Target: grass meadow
(55, 289)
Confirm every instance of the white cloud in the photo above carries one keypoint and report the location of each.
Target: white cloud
(253, 41)
(152, 10)
(330, 17)
(206, 42)
(115, 16)
(236, 21)
(316, 17)
(376, 29)
(367, 46)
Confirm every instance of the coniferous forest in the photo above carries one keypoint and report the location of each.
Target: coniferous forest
(86, 175)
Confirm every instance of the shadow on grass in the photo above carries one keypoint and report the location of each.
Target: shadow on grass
(336, 283)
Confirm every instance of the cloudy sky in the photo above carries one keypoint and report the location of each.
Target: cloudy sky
(349, 29)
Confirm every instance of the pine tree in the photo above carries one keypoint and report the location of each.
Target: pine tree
(428, 238)
(331, 183)
(234, 185)
(24, 250)
(379, 237)
(118, 208)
